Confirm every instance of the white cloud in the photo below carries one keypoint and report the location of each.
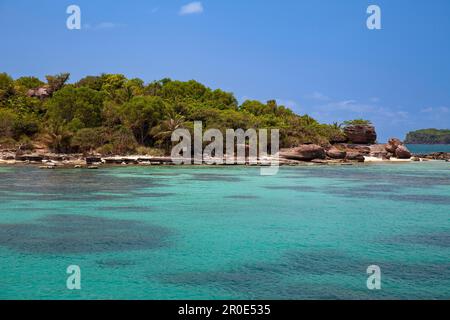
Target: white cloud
(435, 110)
(191, 8)
(317, 96)
(427, 110)
(340, 110)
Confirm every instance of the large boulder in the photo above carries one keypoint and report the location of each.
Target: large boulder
(397, 149)
(379, 151)
(392, 145)
(335, 153)
(41, 93)
(342, 138)
(305, 152)
(364, 150)
(361, 134)
(355, 156)
(402, 152)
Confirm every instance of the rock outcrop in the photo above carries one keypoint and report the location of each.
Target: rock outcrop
(54, 83)
(402, 152)
(396, 148)
(435, 156)
(360, 134)
(29, 157)
(355, 156)
(379, 151)
(305, 152)
(41, 93)
(335, 153)
(392, 145)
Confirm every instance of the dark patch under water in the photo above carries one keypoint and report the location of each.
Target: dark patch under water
(425, 239)
(214, 177)
(257, 279)
(385, 192)
(292, 188)
(416, 179)
(70, 185)
(126, 209)
(74, 234)
(242, 196)
(153, 194)
(115, 263)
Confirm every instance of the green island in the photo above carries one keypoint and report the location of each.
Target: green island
(428, 136)
(111, 114)
(110, 119)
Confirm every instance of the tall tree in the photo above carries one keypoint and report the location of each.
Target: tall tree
(142, 113)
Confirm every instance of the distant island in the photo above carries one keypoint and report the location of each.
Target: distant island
(428, 136)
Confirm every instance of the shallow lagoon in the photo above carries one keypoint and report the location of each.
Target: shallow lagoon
(226, 232)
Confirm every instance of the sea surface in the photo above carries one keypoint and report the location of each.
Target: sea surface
(428, 148)
(226, 232)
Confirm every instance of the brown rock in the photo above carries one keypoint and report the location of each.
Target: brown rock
(365, 150)
(395, 142)
(435, 156)
(305, 152)
(29, 157)
(41, 93)
(392, 145)
(402, 152)
(335, 153)
(338, 139)
(361, 134)
(319, 161)
(355, 156)
(390, 148)
(91, 160)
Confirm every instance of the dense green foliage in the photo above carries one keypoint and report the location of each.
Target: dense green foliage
(357, 122)
(428, 136)
(115, 115)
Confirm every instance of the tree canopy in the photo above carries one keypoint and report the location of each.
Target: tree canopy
(428, 136)
(110, 113)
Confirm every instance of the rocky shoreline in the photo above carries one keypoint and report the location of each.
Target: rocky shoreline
(303, 155)
(362, 149)
(310, 154)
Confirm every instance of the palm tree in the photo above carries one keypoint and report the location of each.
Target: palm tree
(336, 125)
(162, 133)
(58, 138)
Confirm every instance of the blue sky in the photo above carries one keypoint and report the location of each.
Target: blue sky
(316, 56)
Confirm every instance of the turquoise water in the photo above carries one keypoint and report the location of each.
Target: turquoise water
(428, 148)
(226, 233)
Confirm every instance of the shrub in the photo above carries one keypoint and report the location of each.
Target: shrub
(88, 139)
(7, 143)
(147, 151)
(357, 122)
